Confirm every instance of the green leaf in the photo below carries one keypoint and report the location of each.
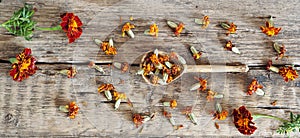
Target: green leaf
(13, 60)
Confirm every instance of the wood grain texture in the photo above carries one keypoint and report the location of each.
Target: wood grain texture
(30, 108)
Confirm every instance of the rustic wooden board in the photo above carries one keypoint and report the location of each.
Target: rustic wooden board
(30, 108)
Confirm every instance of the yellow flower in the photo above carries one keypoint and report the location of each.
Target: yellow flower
(173, 103)
(270, 30)
(154, 30)
(127, 26)
(288, 73)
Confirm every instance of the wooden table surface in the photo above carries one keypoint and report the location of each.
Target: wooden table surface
(30, 107)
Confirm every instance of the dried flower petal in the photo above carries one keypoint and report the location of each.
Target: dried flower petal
(124, 67)
(137, 119)
(108, 48)
(204, 22)
(71, 24)
(195, 52)
(280, 49)
(173, 103)
(23, 66)
(288, 73)
(203, 84)
(243, 121)
(270, 30)
(72, 72)
(252, 88)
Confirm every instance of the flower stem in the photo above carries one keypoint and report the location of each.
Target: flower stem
(256, 116)
(55, 28)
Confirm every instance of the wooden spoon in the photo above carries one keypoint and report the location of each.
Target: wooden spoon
(192, 68)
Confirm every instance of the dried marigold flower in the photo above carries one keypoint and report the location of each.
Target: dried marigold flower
(173, 103)
(195, 52)
(203, 84)
(179, 29)
(108, 49)
(23, 65)
(71, 24)
(221, 116)
(153, 30)
(105, 87)
(205, 22)
(210, 95)
(71, 73)
(138, 119)
(118, 95)
(270, 30)
(280, 49)
(288, 73)
(231, 28)
(73, 109)
(253, 87)
(243, 121)
(127, 28)
(124, 67)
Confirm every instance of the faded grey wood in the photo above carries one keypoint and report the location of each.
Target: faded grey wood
(29, 108)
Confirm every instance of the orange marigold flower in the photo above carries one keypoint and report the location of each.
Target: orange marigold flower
(179, 29)
(221, 116)
(118, 95)
(228, 45)
(71, 72)
(71, 24)
(210, 95)
(154, 30)
(108, 49)
(138, 119)
(288, 73)
(173, 103)
(73, 109)
(270, 30)
(243, 121)
(127, 26)
(231, 29)
(253, 87)
(23, 66)
(205, 22)
(105, 87)
(203, 84)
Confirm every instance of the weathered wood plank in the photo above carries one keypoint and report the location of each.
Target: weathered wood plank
(33, 103)
(104, 21)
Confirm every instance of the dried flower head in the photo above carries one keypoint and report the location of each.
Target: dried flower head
(205, 22)
(203, 84)
(153, 30)
(108, 49)
(73, 109)
(138, 119)
(221, 116)
(280, 49)
(118, 95)
(231, 28)
(127, 28)
(23, 65)
(253, 87)
(288, 73)
(270, 30)
(210, 95)
(71, 24)
(124, 67)
(179, 29)
(243, 121)
(173, 103)
(71, 73)
(105, 87)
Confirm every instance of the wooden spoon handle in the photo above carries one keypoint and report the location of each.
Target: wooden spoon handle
(215, 68)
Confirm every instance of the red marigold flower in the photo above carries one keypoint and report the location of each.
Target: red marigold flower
(73, 109)
(138, 119)
(24, 66)
(270, 30)
(71, 24)
(243, 121)
(71, 72)
(288, 73)
(253, 87)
